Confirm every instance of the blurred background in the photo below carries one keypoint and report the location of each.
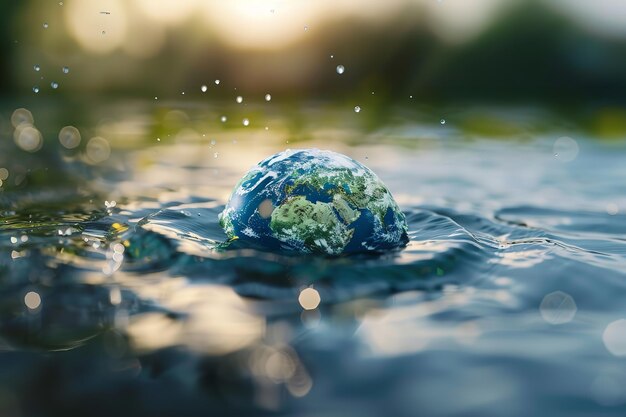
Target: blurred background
(564, 51)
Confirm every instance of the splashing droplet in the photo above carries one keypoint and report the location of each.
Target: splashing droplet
(357, 109)
(204, 88)
(442, 121)
(239, 99)
(246, 122)
(340, 69)
(268, 97)
(54, 85)
(66, 70)
(37, 68)
(35, 90)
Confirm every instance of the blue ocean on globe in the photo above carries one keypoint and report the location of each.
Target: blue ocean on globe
(313, 201)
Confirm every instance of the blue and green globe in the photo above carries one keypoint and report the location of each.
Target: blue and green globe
(313, 201)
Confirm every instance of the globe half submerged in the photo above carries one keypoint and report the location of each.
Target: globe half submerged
(314, 201)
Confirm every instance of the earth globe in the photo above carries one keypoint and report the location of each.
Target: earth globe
(313, 201)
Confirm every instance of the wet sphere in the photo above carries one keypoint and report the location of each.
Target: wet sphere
(313, 201)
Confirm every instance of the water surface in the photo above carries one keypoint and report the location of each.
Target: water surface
(116, 300)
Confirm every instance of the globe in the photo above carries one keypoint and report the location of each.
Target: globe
(313, 201)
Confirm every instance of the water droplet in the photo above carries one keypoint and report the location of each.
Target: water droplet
(357, 109)
(182, 92)
(35, 90)
(332, 56)
(45, 25)
(158, 139)
(239, 99)
(66, 70)
(306, 28)
(223, 119)
(246, 122)
(60, 3)
(204, 88)
(54, 85)
(411, 97)
(268, 97)
(340, 69)
(217, 82)
(442, 121)
(37, 68)
(213, 142)
(215, 155)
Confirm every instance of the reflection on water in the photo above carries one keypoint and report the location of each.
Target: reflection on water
(114, 284)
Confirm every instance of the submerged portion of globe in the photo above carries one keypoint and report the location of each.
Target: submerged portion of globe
(313, 201)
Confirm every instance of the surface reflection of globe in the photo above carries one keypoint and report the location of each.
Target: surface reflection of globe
(313, 201)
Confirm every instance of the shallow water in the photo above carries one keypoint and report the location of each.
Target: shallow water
(116, 301)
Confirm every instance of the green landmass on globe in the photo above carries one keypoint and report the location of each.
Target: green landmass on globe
(313, 201)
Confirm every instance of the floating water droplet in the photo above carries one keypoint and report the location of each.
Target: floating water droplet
(182, 92)
(239, 99)
(156, 98)
(306, 28)
(54, 85)
(442, 121)
(213, 142)
(35, 90)
(37, 68)
(411, 97)
(357, 109)
(158, 139)
(332, 56)
(60, 3)
(215, 155)
(66, 70)
(223, 119)
(217, 82)
(246, 122)
(204, 88)
(340, 69)
(268, 97)
(45, 25)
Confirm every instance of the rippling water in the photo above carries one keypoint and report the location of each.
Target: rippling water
(117, 300)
